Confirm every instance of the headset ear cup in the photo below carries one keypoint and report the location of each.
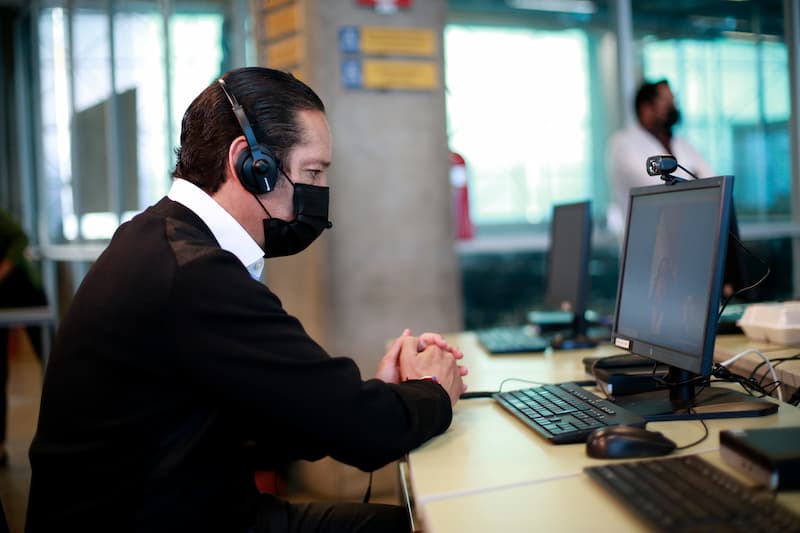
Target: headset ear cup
(257, 176)
(265, 169)
(244, 170)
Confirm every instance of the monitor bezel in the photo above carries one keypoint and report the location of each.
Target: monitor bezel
(699, 364)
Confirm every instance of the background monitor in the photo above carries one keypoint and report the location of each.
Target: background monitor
(671, 276)
(568, 257)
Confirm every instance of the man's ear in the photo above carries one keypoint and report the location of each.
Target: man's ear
(237, 146)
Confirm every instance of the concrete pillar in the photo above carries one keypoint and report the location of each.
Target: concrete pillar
(389, 261)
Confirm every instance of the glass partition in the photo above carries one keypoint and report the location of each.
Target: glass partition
(112, 96)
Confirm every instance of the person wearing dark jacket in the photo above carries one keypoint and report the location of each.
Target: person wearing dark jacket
(20, 286)
(175, 366)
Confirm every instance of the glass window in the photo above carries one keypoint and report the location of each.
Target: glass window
(141, 89)
(110, 114)
(734, 98)
(517, 107)
(196, 62)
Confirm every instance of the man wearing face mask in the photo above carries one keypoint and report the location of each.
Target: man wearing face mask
(628, 149)
(176, 371)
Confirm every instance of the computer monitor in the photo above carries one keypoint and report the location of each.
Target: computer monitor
(567, 285)
(671, 276)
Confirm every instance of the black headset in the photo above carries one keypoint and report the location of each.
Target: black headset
(256, 166)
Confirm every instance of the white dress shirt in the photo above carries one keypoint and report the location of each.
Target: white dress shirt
(628, 150)
(230, 235)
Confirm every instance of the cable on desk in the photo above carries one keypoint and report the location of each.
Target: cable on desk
(471, 395)
(699, 380)
(701, 439)
(528, 381)
(775, 362)
(775, 380)
(795, 399)
(751, 386)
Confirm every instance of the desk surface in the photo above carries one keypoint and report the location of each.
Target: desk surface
(490, 472)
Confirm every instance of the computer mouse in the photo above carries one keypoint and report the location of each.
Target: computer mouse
(620, 442)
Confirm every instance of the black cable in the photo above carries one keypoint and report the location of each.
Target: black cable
(724, 374)
(774, 362)
(369, 489)
(528, 381)
(772, 387)
(692, 174)
(701, 439)
(749, 287)
(700, 380)
(795, 398)
(471, 395)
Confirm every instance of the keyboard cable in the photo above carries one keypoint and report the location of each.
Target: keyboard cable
(471, 395)
(701, 439)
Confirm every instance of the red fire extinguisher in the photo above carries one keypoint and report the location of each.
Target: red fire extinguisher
(460, 196)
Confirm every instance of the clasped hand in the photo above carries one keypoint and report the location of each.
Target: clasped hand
(429, 354)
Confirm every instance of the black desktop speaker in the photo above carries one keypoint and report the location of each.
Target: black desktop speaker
(256, 166)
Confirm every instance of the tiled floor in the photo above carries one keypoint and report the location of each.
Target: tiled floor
(24, 390)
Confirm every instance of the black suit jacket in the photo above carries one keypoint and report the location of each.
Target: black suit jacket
(170, 365)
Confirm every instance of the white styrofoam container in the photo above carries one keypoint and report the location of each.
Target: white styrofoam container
(778, 323)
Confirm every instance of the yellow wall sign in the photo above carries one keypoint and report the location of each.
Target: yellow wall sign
(385, 41)
(269, 4)
(417, 42)
(288, 52)
(396, 74)
(283, 21)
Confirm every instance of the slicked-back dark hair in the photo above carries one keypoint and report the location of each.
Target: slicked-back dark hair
(271, 100)
(647, 93)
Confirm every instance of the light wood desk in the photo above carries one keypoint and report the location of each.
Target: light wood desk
(490, 472)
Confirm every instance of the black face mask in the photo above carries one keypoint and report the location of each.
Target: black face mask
(673, 117)
(310, 219)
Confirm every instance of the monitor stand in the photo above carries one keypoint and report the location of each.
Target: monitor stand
(561, 341)
(682, 402)
(574, 338)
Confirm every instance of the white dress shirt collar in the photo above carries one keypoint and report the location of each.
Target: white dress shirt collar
(230, 235)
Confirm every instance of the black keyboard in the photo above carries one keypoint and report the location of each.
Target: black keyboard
(511, 339)
(687, 493)
(564, 413)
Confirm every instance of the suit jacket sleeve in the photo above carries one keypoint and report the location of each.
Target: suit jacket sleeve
(236, 342)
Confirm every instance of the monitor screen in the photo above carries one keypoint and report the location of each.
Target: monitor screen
(568, 257)
(671, 272)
